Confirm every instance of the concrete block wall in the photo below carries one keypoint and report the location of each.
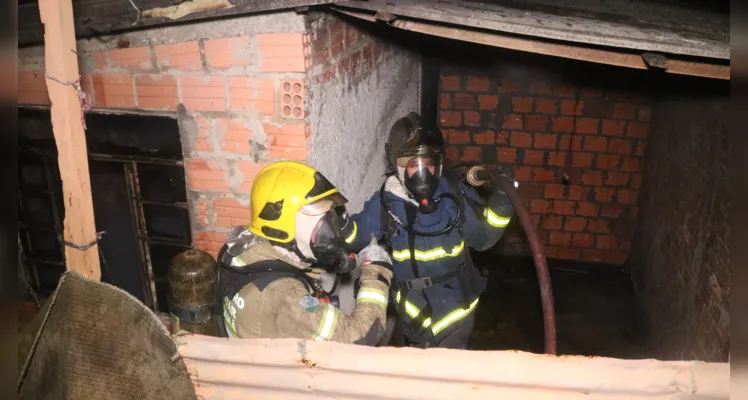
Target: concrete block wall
(545, 126)
(680, 258)
(242, 90)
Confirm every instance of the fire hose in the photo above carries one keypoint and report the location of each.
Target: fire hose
(478, 176)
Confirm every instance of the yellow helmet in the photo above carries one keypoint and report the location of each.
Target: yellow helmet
(281, 190)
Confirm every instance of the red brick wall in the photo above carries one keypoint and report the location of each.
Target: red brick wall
(234, 91)
(544, 129)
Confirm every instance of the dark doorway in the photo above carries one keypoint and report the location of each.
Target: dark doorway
(139, 197)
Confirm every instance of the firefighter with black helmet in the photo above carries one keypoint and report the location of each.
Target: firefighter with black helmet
(270, 281)
(428, 219)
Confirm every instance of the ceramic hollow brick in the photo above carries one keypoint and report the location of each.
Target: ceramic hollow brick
(136, 57)
(292, 99)
(32, 88)
(236, 136)
(157, 92)
(203, 93)
(202, 141)
(114, 90)
(207, 175)
(226, 53)
(281, 52)
(249, 93)
(182, 56)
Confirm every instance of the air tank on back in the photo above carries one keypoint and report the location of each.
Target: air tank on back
(192, 296)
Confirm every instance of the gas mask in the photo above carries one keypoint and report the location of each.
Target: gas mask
(321, 233)
(420, 176)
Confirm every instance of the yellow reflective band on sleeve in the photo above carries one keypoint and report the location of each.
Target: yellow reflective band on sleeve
(429, 255)
(495, 220)
(237, 262)
(443, 323)
(412, 310)
(327, 325)
(353, 234)
(453, 317)
(229, 321)
(369, 295)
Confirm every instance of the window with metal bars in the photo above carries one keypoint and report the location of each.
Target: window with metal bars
(139, 197)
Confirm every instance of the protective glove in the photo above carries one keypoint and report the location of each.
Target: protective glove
(374, 253)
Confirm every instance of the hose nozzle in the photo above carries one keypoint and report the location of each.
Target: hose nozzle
(477, 176)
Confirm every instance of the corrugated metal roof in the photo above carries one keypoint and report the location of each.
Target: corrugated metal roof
(305, 369)
(636, 25)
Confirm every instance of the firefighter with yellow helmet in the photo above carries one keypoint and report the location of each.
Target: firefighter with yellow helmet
(281, 277)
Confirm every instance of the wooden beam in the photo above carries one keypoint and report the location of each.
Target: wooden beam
(67, 124)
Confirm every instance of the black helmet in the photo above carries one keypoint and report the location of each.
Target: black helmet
(417, 147)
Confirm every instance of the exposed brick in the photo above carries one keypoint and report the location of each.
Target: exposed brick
(598, 226)
(513, 121)
(540, 87)
(593, 255)
(183, 56)
(227, 52)
(458, 137)
(157, 92)
(616, 178)
(590, 92)
(487, 102)
(135, 57)
(557, 158)
(450, 83)
(554, 191)
(610, 210)
(485, 137)
(508, 87)
(645, 113)
(619, 146)
(572, 107)
(281, 52)
(445, 101)
(522, 173)
(641, 148)
(32, 88)
(230, 213)
(616, 257)
(207, 175)
(551, 222)
(502, 137)
(546, 106)
(521, 139)
(607, 242)
(477, 84)
(201, 211)
(560, 239)
(203, 93)
(632, 164)
(544, 141)
(236, 136)
(506, 155)
(608, 161)
(564, 90)
(292, 99)
(595, 143)
(577, 192)
(575, 224)
(538, 206)
(210, 242)
(626, 196)
(543, 175)
(114, 90)
(286, 141)
(582, 160)
(249, 171)
(582, 240)
(637, 129)
(574, 141)
(537, 123)
(636, 181)
(613, 127)
(550, 252)
(563, 124)
(522, 104)
(604, 195)
(249, 93)
(588, 209)
(472, 118)
(587, 125)
(202, 140)
(450, 118)
(531, 190)
(563, 207)
(533, 157)
(453, 153)
(569, 254)
(471, 153)
(592, 178)
(624, 111)
(464, 101)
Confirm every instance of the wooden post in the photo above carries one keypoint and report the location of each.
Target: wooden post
(63, 85)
